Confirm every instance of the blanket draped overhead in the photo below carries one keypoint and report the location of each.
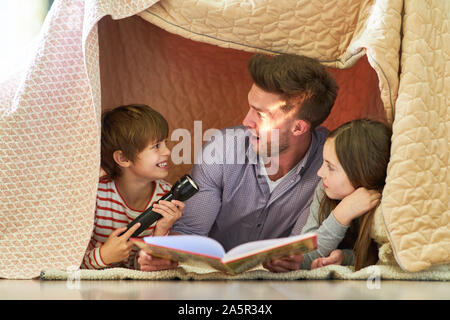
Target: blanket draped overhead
(187, 59)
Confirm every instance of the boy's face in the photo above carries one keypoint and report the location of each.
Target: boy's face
(152, 162)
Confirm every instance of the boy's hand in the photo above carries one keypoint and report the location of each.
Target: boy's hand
(356, 204)
(335, 257)
(117, 247)
(285, 264)
(171, 212)
(148, 262)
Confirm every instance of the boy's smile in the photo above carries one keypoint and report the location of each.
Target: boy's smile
(162, 165)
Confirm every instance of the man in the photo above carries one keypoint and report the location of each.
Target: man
(269, 193)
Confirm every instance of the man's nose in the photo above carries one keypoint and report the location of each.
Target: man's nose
(248, 120)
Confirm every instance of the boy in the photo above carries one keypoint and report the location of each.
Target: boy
(134, 156)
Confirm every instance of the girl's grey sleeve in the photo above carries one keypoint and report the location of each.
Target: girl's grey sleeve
(329, 234)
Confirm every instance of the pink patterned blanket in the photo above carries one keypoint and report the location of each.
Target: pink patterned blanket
(49, 142)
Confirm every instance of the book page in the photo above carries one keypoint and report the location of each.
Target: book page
(254, 247)
(245, 262)
(189, 243)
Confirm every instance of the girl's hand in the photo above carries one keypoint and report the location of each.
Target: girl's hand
(335, 257)
(285, 264)
(356, 204)
(117, 247)
(171, 212)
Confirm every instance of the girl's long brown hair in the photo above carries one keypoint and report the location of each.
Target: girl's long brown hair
(363, 150)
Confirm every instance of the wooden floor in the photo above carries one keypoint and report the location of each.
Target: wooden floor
(222, 290)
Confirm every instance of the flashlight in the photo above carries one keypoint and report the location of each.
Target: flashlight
(182, 190)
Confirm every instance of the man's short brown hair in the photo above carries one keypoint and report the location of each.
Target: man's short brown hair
(130, 129)
(301, 81)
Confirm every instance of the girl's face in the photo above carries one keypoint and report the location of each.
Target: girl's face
(335, 181)
(152, 162)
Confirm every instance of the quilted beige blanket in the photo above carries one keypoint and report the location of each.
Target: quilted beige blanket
(188, 60)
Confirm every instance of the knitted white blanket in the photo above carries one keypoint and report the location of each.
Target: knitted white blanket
(336, 272)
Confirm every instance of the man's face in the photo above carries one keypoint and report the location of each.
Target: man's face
(265, 115)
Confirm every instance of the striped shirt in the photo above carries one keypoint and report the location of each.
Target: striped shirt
(111, 213)
(235, 204)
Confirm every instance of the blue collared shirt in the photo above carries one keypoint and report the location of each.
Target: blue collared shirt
(234, 204)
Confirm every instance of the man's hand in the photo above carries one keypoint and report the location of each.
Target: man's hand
(149, 263)
(335, 257)
(286, 264)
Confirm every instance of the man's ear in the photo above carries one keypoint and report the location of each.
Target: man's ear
(120, 159)
(300, 127)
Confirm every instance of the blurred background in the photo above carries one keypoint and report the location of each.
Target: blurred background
(20, 23)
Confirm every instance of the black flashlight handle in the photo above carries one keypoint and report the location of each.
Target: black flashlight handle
(148, 217)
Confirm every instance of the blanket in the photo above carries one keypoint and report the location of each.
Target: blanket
(49, 110)
(331, 272)
(415, 202)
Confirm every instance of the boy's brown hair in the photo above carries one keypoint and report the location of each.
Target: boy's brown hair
(363, 150)
(302, 82)
(130, 129)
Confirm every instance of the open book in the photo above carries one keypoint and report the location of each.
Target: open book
(204, 250)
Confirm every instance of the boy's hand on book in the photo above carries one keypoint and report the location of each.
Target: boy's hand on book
(148, 262)
(285, 264)
(117, 247)
(335, 257)
(171, 212)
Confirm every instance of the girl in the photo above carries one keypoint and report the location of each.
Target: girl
(355, 159)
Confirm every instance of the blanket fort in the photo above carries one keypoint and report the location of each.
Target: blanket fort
(189, 58)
